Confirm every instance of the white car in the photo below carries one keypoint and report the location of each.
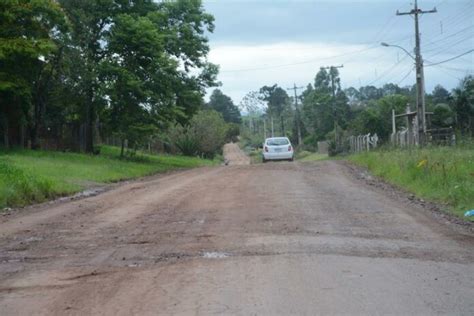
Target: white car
(277, 148)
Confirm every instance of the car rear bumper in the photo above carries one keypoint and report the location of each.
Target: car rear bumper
(278, 156)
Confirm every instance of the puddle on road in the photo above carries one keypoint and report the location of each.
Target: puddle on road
(215, 255)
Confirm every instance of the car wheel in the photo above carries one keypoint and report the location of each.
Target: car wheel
(264, 160)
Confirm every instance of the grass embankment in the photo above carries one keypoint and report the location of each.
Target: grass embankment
(28, 176)
(308, 156)
(442, 174)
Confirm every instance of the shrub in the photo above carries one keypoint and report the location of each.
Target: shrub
(187, 145)
(210, 130)
(205, 135)
(18, 187)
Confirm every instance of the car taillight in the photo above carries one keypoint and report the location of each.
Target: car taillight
(289, 148)
(266, 149)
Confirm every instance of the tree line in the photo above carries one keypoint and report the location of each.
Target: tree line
(73, 72)
(329, 112)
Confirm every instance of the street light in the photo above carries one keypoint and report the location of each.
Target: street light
(390, 45)
(420, 91)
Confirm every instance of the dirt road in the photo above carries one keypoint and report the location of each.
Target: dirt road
(234, 156)
(274, 239)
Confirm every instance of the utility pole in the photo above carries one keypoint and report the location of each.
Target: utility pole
(298, 126)
(271, 121)
(333, 87)
(264, 127)
(420, 78)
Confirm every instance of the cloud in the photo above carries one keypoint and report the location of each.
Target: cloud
(248, 67)
(288, 40)
(245, 68)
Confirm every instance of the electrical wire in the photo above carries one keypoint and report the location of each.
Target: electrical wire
(450, 46)
(450, 59)
(470, 27)
(386, 72)
(406, 76)
(301, 62)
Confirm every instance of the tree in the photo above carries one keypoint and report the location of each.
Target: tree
(137, 72)
(224, 105)
(440, 95)
(463, 105)
(370, 93)
(91, 21)
(27, 59)
(253, 103)
(321, 109)
(278, 101)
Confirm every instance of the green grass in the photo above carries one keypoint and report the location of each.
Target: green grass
(307, 156)
(440, 174)
(28, 176)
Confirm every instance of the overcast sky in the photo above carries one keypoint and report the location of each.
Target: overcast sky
(263, 42)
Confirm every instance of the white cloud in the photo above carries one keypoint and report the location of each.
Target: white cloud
(245, 68)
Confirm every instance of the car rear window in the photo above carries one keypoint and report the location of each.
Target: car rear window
(278, 142)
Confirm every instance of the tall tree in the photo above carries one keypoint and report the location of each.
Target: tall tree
(440, 95)
(322, 108)
(463, 105)
(91, 21)
(224, 105)
(28, 47)
(278, 101)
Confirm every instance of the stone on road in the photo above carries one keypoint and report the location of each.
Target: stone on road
(274, 239)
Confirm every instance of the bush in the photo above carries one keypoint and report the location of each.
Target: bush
(19, 187)
(205, 135)
(188, 145)
(210, 130)
(233, 132)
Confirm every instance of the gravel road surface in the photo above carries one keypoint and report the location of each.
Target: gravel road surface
(275, 239)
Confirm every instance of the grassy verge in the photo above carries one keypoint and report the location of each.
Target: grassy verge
(255, 154)
(307, 156)
(34, 176)
(442, 174)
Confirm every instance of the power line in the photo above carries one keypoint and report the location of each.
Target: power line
(449, 36)
(406, 76)
(386, 72)
(464, 71)
(450, 59)
(450, 46)
(448, 23)
(302, 62)
(449, 74)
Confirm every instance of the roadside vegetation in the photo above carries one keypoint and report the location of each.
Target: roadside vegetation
(308, 156)
(354, 111)
(28, 176)
(441, 174)
(76, 74)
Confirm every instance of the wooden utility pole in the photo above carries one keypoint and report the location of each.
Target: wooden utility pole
(298, 117)
(271, 121)
(333, 87)
(264, 127)
(420, 79)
